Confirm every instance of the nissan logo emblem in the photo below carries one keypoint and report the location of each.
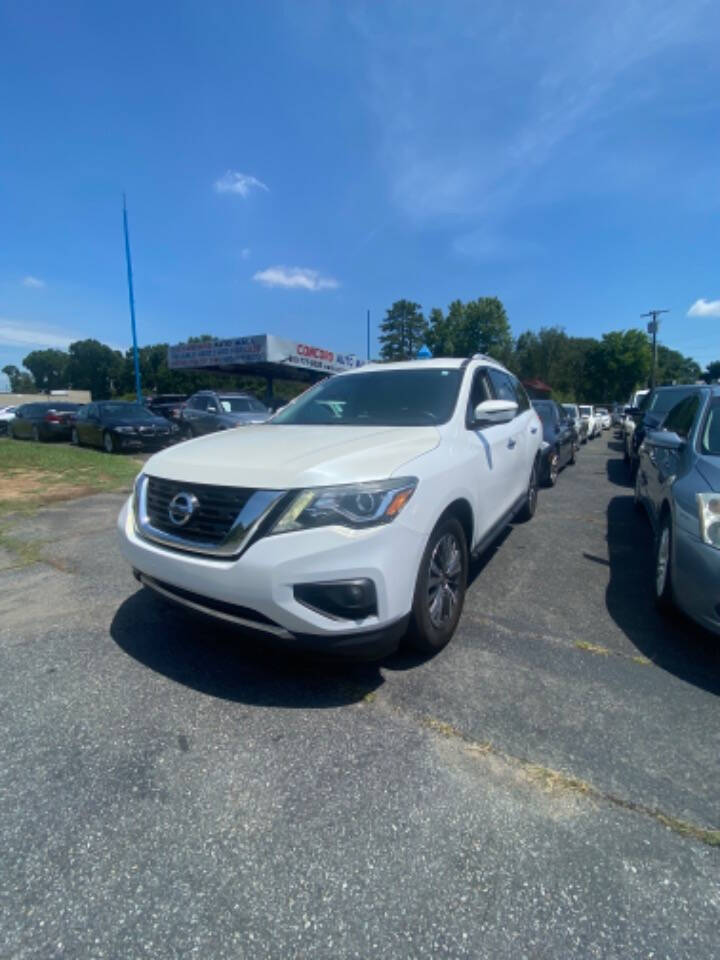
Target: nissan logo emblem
(182, 507)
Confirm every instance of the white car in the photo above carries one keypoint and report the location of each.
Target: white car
(594, 429)
(347, 521)
(628, 425)
(6, 415)
(603, 416)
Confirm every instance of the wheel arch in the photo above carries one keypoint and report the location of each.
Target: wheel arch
(462, 511)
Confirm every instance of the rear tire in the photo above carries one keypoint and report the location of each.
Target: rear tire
(35, 434)
(440, 588)
(75, 438)
(527, 511)
(573, 454)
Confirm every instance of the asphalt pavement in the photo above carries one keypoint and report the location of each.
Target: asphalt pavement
(546, 787)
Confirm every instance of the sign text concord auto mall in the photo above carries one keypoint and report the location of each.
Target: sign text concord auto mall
(261, 349)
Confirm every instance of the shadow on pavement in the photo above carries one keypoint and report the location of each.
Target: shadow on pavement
(225, 663)
(673, 643)
(618, 472)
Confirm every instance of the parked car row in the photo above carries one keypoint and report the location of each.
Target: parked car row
(677, 483)
(119, 425)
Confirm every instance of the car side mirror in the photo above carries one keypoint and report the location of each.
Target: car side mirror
(494, 411)
(666, 440)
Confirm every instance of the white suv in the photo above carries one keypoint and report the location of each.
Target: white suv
(348, 520)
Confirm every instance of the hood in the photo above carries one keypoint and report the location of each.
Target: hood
(252, 416)
(709, 470)
(279, 457)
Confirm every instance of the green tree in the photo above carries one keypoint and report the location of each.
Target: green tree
(617, 365)
(403, 331)
(96, 367)
(673, 367)
(478, 326)
(20, 380)
(711, 374)
(48, 367)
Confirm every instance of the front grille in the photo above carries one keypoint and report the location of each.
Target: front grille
(217, 511)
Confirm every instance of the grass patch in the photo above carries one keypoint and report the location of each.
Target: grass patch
(592, 648)
(34, 474)
(24, 552)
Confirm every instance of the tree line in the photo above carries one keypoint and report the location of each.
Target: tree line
(577, 368)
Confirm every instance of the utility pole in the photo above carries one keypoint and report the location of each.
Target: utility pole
(131, 296)
(368, 336)
(652, 328)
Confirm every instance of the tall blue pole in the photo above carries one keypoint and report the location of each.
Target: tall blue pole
(131, 295)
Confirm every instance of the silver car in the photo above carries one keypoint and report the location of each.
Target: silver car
(678, 483)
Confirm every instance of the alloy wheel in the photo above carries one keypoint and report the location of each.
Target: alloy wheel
(444, 580)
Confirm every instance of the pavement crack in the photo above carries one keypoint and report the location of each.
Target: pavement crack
(555, 780)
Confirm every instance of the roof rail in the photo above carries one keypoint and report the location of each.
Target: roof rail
(485, 356)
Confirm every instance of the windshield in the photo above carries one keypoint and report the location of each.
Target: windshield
(585, 411)
(392, 398)
(242, 405)
(710, 440)
(570, 409)
(128, 411)
(664, 400)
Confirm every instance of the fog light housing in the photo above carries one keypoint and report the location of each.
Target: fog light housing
(340, 599)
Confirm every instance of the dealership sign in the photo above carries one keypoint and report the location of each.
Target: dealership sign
(264, 348)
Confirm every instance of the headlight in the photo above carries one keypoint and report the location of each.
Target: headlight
(124, 429)
(709, 516)
(358, 505)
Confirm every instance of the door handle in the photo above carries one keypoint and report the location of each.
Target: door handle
(512, 443)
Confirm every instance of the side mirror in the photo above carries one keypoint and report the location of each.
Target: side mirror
(666, 440)
(494, 411)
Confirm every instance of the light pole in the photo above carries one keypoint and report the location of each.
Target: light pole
(652, 328)
(131, 297)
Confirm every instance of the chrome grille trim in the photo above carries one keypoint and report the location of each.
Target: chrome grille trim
(256, 508)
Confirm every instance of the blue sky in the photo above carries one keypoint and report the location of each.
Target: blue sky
(289, 165)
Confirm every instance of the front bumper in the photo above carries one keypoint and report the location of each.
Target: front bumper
(130, 441)
(696, 579)
(259, 583)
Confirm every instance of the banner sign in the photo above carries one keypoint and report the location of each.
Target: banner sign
(264, 348)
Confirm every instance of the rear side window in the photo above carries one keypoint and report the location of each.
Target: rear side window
(522, 397)
(681, 418)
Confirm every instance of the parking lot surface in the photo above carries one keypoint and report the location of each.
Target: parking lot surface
(547, 786)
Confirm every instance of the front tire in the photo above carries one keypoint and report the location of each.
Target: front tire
(75, 437)
(553, 468)
(108, 442)
(663, 565)
(440, 588)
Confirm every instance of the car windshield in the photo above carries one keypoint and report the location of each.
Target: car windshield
(664, 400)
(570, 409)
(129, 411)
(585, 411)
(392, 398)
(242, 405)
(710, 440)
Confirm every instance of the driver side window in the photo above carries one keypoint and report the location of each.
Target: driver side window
(503, 386)
(681, 418)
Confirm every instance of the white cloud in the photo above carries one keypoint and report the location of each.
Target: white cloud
(30, 281)
(295, 277)
(245, 253)
(22, 333)
(241, 183)
(705, 308)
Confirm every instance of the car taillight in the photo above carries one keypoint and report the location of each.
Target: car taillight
(51, 418)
